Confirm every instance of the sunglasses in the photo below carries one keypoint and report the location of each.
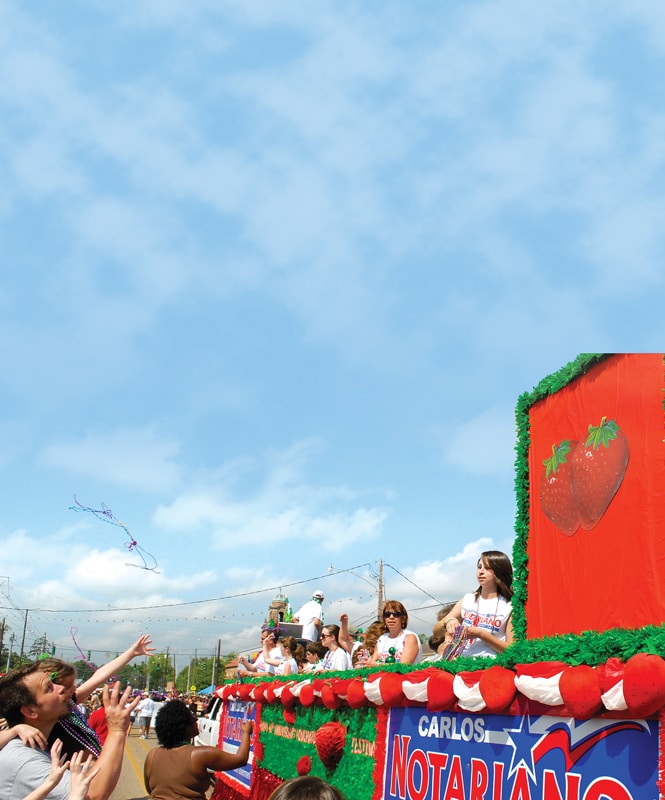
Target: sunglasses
(397, 614)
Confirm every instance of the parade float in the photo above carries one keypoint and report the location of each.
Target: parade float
(574, 709)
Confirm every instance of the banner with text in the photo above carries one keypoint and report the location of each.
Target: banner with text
(457, 756)
(236, 712)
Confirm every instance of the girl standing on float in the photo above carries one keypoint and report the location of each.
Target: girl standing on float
(336, 658)
(290, 651)
(397, 644)
(486, 613)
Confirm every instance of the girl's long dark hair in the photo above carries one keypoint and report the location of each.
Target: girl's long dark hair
(500, 565)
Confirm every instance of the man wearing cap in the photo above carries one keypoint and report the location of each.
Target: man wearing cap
(144, 711)
(310, 616)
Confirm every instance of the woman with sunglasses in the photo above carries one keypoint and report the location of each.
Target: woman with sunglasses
(336, 658)
(397, 644)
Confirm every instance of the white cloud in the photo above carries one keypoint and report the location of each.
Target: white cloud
(283, 508)
(483, 445)
(138, 458)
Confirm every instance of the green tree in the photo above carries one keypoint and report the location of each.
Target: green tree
(160, 671)
(40, 647)
(83, 670)
(200, 672)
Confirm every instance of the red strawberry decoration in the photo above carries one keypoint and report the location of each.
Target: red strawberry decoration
(355, 694)
(581, 692)
(556, 488)
(304, 765)
(307, 696)
(329, 741)
(497, 686)
(440, 694)
(644, 684)
(597, 470)
(329, 698)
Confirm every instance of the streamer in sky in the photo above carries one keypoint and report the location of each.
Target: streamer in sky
(73, 632)
(106, 515)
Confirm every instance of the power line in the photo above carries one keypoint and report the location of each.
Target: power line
(184, 603)
(420, 588)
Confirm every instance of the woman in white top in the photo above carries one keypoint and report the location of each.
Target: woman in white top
(286, 664)
(336, 658)
(397, 644)
(486, 613)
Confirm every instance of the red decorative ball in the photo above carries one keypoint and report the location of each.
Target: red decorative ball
(289, 715)
(644, 684)
(340, 686)
(355, 693)
(330, 740)
(307, 696)
(329, 698)
(580, 690)
(440, 695)
(270, 695)
(497, 686)
(287, 698)
(391, 689)
(245, 691)
(304, 765)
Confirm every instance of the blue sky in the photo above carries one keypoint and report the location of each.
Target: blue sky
(274, 276)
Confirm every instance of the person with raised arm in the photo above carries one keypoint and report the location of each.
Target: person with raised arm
(73, 729)
(28, 696)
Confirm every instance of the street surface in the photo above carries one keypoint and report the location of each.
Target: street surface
(130, 786)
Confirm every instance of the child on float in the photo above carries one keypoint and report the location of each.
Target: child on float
(314, 653)
(485, 614)
(397, 644)
(363, 655)
(290, 652)
(336, 658)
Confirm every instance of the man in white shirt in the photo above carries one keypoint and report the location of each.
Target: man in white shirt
(310, 616)
(144, 712)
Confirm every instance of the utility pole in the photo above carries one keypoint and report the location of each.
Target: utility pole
(12, 638)
(215, 664)
(25, 625)
(379, 608)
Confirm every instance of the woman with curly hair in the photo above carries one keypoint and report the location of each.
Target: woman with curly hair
(177, 769)
(308, 787)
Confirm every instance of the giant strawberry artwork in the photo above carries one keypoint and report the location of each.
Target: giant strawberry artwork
(556, 488)
(329, 740)
(580, 479)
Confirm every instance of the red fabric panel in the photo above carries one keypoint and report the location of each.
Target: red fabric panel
(614, 574)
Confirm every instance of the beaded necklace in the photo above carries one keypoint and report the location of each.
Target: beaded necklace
(76, 734)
